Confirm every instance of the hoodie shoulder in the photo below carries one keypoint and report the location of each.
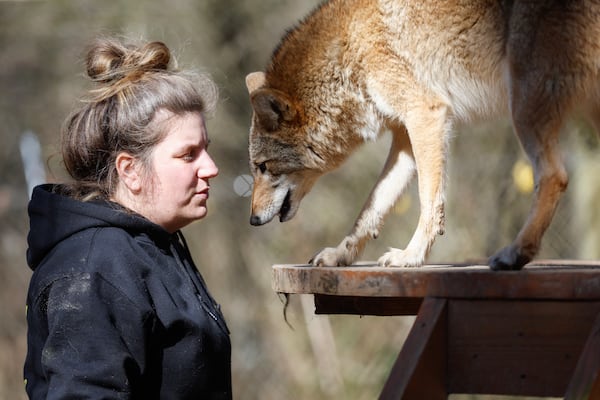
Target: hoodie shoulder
(107, 253)
(55, 218)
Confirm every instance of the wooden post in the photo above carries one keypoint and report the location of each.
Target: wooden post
(420, 370)
(585, 383)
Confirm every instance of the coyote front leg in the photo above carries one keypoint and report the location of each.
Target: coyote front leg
(398, 171)
(428, 128)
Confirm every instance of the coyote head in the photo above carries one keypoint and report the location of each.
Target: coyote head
(283, 161)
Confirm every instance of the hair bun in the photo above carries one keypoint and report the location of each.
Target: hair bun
(109, 61)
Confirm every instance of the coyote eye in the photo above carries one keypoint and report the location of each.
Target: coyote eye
(262, 167)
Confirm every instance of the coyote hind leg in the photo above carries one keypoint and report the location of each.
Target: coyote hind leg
(538, 114)
(550, 182)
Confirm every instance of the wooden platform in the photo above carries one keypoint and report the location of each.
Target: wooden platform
(534, 332)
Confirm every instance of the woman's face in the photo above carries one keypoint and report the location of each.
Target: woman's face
(180, 171)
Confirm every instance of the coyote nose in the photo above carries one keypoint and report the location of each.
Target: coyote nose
(255, 220)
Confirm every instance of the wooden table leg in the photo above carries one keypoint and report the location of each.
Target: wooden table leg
(585, 382)
(420, 369)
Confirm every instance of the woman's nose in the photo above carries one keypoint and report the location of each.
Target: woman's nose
(208, 168)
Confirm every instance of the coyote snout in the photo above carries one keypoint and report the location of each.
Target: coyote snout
(277, 195)
(354, 69)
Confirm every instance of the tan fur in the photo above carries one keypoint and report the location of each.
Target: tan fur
(354, 69)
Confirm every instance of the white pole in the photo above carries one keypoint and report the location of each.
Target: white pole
(31, 155)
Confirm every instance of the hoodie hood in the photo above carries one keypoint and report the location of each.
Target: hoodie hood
(54, 217)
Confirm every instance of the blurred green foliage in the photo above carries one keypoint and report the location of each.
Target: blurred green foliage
(42, 78)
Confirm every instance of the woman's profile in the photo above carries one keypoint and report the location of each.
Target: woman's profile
(116, 306)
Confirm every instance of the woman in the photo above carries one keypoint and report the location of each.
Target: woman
(116, 307)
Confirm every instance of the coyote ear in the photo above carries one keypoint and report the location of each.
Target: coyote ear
(272, 107)
(255, 80)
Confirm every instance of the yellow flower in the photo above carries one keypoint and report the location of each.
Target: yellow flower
(523, 176)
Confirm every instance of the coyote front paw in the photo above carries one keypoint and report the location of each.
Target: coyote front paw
(400, 258)
(342, 255)
(332, 257)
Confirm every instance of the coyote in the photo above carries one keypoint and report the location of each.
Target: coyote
(354, 69)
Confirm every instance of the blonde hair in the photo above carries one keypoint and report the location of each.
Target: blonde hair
(132, 82)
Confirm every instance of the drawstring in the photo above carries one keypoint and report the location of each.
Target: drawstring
(188, 256)
(198, 283)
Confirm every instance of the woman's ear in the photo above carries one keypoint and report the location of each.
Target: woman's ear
(129, 172)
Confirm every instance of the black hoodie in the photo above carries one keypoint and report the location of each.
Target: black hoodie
(117, 309)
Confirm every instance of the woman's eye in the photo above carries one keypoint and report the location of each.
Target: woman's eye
(189, 154)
